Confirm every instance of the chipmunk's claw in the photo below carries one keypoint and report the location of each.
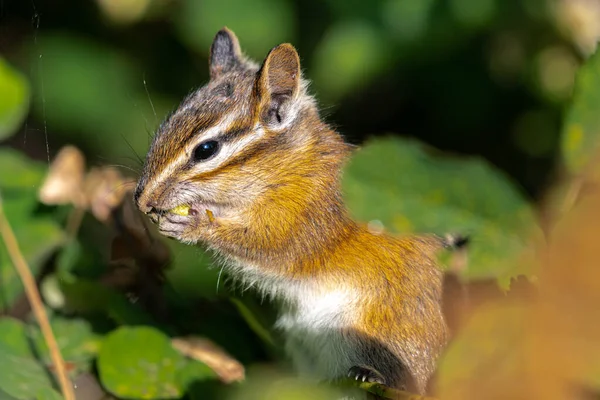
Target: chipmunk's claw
(363, 373)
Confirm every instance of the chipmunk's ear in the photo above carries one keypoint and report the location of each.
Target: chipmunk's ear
(278, 83)
(225, 53)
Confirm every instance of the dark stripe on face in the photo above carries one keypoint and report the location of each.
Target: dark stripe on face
(182, 127)
(192, 124)
(251, 152)
(234, 133)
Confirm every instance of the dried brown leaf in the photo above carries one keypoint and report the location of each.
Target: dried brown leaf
(105, 189)
(64, 182)
(226, 367)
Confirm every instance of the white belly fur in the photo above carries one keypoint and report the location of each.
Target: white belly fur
(313, 324)
(312, 321)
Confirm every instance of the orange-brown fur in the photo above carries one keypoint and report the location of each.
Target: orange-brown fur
(277, 218)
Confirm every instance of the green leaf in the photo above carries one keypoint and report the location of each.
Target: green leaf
(47, 393)
(37, 240)
(14, 101)
(194, 371)
(582, 123)
(14, 335)
(69, 257)
(37, 236)
(401, 184)
(6, 396)
(77, 342)
(139, 362)
(19, 187)
(25, 174)
(264, 384)
(21, 375)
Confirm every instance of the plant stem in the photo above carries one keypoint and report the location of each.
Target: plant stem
(33, 295)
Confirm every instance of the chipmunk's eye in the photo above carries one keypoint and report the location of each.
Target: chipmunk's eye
(206, 150)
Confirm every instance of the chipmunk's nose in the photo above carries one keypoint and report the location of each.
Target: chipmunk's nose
(142, 203)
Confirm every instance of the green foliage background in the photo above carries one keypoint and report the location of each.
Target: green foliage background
(459, 105)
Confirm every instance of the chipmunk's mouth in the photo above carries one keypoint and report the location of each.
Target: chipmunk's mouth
(182, 210)
(174, 222)
(196, 210)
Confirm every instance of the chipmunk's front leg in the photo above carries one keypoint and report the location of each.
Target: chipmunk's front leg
(217, 229)
(188, 224)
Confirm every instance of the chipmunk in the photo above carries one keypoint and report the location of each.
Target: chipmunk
(247, 167)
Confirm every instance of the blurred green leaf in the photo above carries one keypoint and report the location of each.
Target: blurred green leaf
(37, 237)
(140, 362)
(14, 335)
(265, 384)
(473, 12)
(403, 185)
(85, 85)
(93, 89)
(582, 123)
(77, 342)
(348, 56)
(259, 24)
(194, 371)
(21, 375)
(6, 396)
(407, 19)
(25, 174)
(14, 101)
(69, 257)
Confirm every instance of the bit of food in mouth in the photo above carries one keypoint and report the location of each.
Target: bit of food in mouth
(182, 210)
(211, 217)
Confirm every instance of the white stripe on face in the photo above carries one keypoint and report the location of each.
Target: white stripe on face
(227, 150)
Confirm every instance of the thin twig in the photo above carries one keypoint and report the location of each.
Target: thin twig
(226, 367)
(33, 295)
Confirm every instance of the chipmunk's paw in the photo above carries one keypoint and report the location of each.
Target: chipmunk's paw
(363, 373)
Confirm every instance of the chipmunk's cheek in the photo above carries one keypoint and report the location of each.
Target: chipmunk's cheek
(204, 214)
(173, 225)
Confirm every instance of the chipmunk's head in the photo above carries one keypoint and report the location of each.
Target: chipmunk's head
(225, 143)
